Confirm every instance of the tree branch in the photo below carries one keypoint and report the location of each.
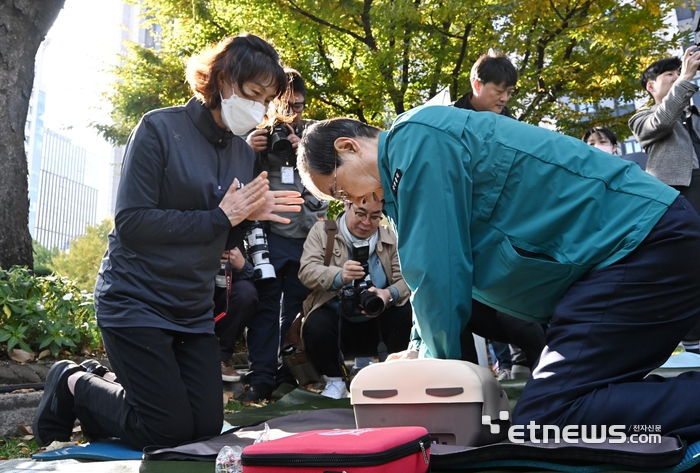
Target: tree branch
(296, 8)
(460, 60)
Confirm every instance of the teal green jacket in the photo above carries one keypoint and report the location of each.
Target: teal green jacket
(507, 213)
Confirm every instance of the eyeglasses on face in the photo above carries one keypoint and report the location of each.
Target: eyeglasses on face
(363, 216)
(297, 106)
(338, 194)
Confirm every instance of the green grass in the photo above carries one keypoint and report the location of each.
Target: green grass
(11, 448)
(17, 447)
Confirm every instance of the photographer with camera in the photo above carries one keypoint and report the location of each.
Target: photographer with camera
(354, 308)
(275, 148)
(669, 130)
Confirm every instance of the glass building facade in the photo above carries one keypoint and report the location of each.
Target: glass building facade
(65, 203)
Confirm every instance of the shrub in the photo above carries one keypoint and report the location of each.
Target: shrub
(46, 312)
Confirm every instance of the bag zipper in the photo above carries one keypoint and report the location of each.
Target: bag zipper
(336, 459)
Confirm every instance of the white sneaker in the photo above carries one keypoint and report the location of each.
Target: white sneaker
(335, 388)
(504, 374)
(519, 372)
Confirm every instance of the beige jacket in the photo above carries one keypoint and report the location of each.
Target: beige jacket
(319, 278)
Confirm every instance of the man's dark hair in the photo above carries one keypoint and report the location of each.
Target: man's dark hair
(317, 147)
(296, 83)
(495, 68)
(317, 154)
(657, 68)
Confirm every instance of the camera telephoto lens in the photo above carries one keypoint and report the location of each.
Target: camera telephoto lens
(372, 303)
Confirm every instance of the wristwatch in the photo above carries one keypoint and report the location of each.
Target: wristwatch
(391, 297)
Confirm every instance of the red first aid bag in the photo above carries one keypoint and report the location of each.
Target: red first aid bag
(372, 450)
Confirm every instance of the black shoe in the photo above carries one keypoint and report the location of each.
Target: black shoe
(256, 393)
(94, 367)
(55, 415)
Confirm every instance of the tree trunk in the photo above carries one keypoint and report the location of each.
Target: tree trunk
(23, 26)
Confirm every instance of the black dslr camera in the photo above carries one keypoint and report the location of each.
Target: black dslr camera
(278, 142)
(355, 298)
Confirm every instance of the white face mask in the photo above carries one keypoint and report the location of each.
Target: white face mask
(241, 115)
(607, 148)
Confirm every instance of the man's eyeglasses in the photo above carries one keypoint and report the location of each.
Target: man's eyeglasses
(297, 106)
(363, 216)
(338, 194)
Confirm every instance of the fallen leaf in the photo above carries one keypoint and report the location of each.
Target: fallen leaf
(43, 354)
(21, 355)
(26, 429)
(55, 445)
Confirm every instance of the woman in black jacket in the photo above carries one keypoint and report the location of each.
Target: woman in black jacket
(180, 204)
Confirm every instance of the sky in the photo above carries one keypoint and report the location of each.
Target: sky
(79, 49)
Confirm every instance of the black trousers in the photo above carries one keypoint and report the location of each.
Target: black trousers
(499, 327)
(358, 338)
(169, 389)
(242, 302)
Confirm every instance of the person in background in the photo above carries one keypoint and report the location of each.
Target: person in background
(601, 138)
(333, 328)
(235, 301)
(668, 130)
(180, 204)
(493, 79)
(280, 297)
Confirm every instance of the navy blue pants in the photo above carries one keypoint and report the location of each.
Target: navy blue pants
(613, 327)
(279, 302)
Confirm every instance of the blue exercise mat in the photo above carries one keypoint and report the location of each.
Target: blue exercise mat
(682, 360)
(103, 450)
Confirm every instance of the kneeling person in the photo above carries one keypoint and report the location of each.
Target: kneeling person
(338, 324)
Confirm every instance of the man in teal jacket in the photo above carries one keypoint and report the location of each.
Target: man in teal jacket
(532, 222)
